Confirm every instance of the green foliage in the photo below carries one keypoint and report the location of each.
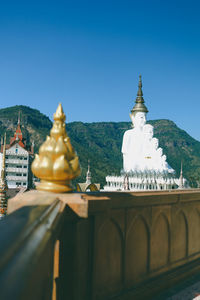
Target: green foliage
(101, 142)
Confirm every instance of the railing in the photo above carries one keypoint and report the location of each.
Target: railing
(16, 161)
(98, 246)
(14, 177)
(17, 170)
(27, 252)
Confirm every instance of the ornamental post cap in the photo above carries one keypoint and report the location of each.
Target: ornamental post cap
(139, 102)
(57, 163)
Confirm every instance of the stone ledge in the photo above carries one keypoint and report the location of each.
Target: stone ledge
(73, 200)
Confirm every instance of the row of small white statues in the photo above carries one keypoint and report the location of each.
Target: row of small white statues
(120, 180)
(141, 150)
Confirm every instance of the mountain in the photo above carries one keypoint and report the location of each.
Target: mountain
(101, 142)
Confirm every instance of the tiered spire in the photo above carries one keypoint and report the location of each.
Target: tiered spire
(88, 175)
(3, 183)
(18, 122)
(181, 185)
(18, 133)
(139, 102)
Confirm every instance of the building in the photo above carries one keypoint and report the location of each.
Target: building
(144, 165)
(18, 161)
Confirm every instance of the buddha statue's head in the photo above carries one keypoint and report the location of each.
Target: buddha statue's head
(138, 119)
(155, 143)
(160, 152)
(148, 131)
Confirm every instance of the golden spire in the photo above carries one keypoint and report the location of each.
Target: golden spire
(57, 163)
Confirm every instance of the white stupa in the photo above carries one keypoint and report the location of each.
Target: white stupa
(144, 165)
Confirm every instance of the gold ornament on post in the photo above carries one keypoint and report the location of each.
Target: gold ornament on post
(57, 163)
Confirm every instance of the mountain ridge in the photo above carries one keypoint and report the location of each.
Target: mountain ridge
(100, 142)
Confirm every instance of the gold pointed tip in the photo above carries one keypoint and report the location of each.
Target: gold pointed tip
(59, 109)
(59, 114)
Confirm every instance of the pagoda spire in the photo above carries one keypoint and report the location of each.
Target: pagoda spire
(18, 122)
(18, 133)
(181, 185)
(88, 175)
(140, 93)
(3, 183)
(139, 102)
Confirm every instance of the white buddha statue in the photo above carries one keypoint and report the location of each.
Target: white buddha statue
(154, 148)
(132, 142)
(146, 161)
(143, 159)
(165, 165)
(154, 144)
(132, 139)
(139, 147)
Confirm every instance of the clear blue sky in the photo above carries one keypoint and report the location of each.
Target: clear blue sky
(88, 55)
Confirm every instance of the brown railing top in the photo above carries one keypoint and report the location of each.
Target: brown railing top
(84, 204)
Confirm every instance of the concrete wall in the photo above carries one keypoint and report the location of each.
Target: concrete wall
(123, 246)
(138, 238)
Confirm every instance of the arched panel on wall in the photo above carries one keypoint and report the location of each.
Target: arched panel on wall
(137, 251)
(179, 237)
(159, 243)
(194, 232)
(108, 259)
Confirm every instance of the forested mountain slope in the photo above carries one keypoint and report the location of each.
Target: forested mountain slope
(101, 142)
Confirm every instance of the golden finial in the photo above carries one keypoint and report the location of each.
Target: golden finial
(57, 163)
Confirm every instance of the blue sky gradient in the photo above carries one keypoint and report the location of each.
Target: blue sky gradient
(89, 54)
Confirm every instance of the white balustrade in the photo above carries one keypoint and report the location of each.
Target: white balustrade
(16, 178)
(16, 170)
(16, 161)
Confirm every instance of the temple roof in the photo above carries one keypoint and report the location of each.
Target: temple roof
(17, 139)
(18, 135)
